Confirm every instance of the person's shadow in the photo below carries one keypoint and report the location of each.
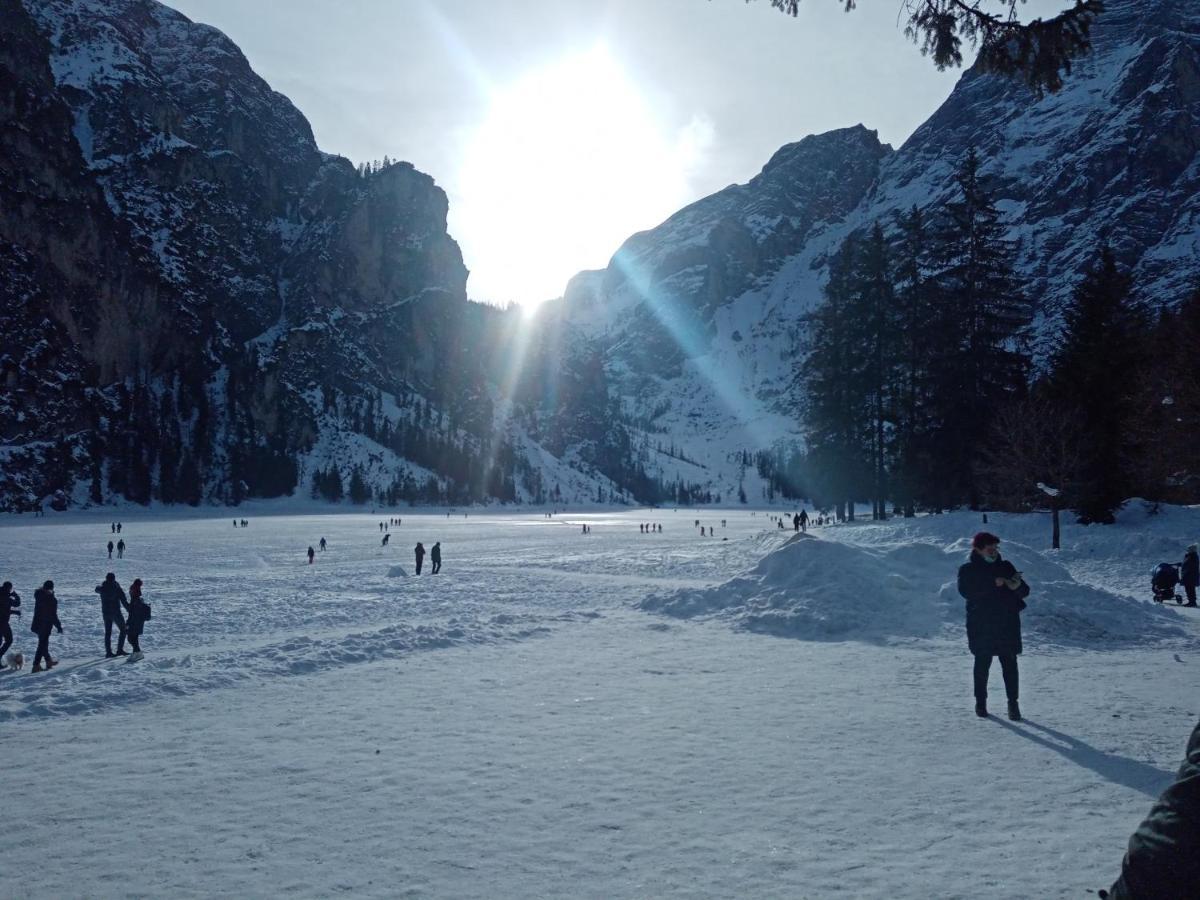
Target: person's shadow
(1140, 776)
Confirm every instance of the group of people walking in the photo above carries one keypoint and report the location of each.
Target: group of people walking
(435, 552)
(127, 614)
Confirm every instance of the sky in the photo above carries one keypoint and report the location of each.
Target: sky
(558, 129)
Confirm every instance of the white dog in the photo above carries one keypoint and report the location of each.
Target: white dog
(16, 660)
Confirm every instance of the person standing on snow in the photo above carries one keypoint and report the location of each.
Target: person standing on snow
(45, 619)
(110, 549)
(322, 545)
(435, 557)
(385, 540)
(9, 601)
(112, 598)
(804, 520)
(995, 595)
(419, 553)
(311, 554)
(121, 548)
(1189, 573)
(139, 612)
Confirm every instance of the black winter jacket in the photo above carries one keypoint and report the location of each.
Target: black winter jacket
(993, 613)
(1163, 859)
(112, 596)
(9, 600)
(1189, 572)
(45, 613)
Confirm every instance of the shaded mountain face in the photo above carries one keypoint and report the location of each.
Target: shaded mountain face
(195, 293)
(700, 320)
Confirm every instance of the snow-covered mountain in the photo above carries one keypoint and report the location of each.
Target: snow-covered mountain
(199, 303)
(699, 318)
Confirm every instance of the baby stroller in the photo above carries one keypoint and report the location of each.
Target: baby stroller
(1163, 580)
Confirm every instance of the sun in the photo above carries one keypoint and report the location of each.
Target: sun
(568, 162)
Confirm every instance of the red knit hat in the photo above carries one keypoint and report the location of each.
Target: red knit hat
(984, 539)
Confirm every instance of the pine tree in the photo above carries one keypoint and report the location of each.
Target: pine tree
(914, 316)
(1100, 346)
(979, 360)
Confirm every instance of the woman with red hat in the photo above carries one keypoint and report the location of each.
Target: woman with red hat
(995, 595)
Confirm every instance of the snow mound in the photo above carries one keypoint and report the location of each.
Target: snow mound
(825, 590)
(813, 589)
(397, 572)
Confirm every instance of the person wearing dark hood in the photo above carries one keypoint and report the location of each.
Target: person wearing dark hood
(1163, 857)
(9, 601)
(121, 548)
(419, 553)
(112, 598)
(995, 595)
(45, 619)
(1189, 574)
(311, 554)
(435, 557)
(110, 549)
(139, 612)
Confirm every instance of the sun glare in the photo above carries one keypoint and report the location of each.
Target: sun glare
(569, 161)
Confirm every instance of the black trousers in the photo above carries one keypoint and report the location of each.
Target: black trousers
(437, 566)
(113, 617)
(43, 649)
(420, 559)
(5, 640)
(1008, 665)
(133, 634)
(1190, 590)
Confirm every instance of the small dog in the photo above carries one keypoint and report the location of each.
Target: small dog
(16, 661)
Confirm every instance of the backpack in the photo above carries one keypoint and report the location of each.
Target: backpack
(146, 614)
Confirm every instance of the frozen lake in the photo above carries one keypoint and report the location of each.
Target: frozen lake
(519, 725)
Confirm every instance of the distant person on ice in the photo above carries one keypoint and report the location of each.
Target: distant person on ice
(121, 548)
(139, 612)
(9, 601)
(384, 542)
(112, 598)
(1189, 574)
(419, 553)
(311, 554)
(435, 557)
(110, 549)
(995, 596)
(45, 619)
(804, 520)
(322, 545)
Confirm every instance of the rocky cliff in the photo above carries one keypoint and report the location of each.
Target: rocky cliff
(700, 320)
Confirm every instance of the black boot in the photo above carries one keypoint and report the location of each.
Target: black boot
(981, 709)
(1014, 711)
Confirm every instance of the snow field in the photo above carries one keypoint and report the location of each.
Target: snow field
(286, 733)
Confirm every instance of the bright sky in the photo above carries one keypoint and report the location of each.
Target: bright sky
(560, 128)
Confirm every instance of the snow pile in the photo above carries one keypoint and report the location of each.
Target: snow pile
(397, 572)
(814, 589)
(825, 590)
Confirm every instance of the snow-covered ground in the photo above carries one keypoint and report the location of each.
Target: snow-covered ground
(604, 715)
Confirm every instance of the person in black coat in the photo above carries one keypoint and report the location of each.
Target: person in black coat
(1189, 574)
(1163, 859)
(112, 598)
(9, 601)
(139, 612)
(435, 557)
(45, 619)
(419, 553)
(995, 595)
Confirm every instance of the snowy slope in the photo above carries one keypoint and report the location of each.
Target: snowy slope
(701, 317)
